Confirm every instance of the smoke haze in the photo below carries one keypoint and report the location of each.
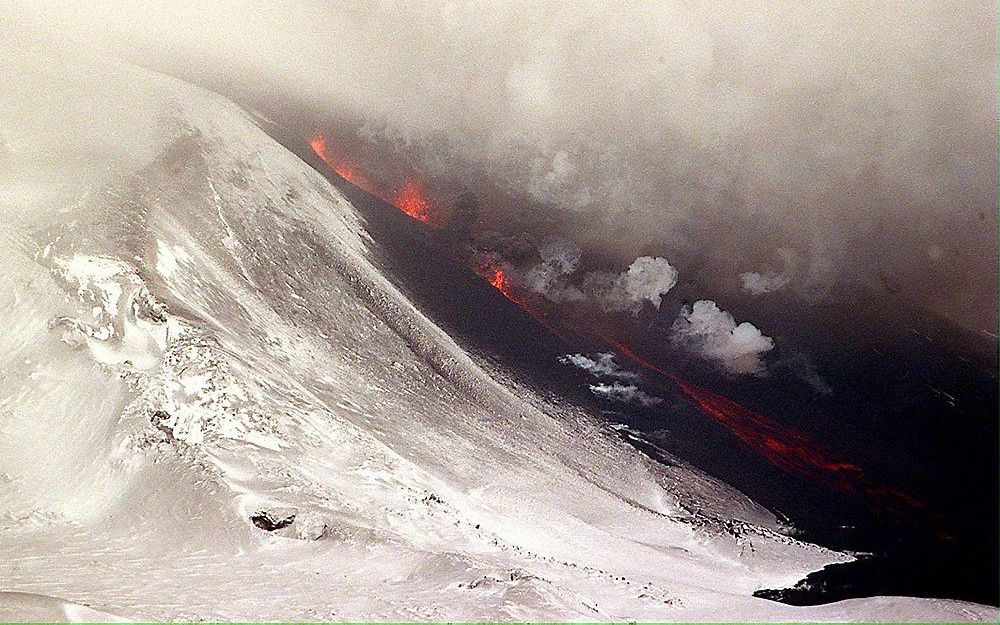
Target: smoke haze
(858, 137)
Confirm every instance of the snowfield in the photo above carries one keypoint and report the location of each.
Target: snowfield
(214, 407)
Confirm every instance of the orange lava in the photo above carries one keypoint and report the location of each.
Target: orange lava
(784, 447)
(411, 201)
(490, 269)
(355, 177)
(339, 164)
(318, 144)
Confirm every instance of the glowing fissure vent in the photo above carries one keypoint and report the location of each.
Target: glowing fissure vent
(490, 268)
(410, 199)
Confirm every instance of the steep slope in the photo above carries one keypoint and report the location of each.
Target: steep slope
(213, 406)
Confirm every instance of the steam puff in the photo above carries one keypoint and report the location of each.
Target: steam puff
(560, 258)
(647, 279)
(712, 333)
(805, 369)
(603, 365)
(625, 393)
(758, 284)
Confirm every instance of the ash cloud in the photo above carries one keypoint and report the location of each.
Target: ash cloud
(860, 135)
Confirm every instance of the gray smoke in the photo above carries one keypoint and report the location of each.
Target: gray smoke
(646, 280)
(560, 258)
(802, 367)
(771, 280)
(859, 134)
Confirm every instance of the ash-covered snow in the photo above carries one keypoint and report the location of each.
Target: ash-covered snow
(193, 336)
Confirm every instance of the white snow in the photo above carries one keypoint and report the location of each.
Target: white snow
(168, 258)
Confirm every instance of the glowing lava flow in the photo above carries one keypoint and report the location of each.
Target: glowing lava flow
(788, 449)
(784, 447)
(492, 272)
(411, 199)
(492, 269)
(343, 169)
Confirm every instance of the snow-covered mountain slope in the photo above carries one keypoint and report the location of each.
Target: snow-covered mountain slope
(213, 406)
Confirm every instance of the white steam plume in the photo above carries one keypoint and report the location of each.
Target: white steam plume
(625, 393)
(601, 365)
(646, 280)
(712, 333)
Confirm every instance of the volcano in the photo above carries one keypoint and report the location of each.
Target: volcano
(220, 401)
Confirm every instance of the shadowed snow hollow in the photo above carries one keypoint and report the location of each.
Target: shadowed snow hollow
(213, 406)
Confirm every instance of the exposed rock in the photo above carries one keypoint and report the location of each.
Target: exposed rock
(272, 520)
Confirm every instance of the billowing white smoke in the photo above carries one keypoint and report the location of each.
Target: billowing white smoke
(601, 365)
(646, 280)
(712, 333)
(625, 393)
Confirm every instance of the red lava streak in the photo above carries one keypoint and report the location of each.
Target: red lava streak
(788, 449)
(784, 447)
(344, 169)
(489, 268)
(411, 199)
